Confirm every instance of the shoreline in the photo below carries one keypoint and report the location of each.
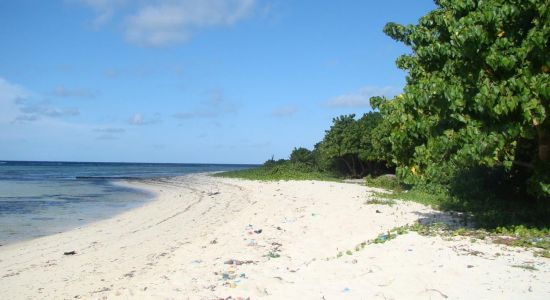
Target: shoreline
(141, 196)
(139, 185)
(205, 237)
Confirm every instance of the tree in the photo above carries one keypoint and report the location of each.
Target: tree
(303, 156)
(371, 143)
(374, 144)
(352, 142)
(477, 92)
(342, 143)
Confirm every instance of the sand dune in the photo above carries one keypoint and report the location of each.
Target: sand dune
(212, 238)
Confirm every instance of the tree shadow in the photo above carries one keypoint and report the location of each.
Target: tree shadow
(452, 220)
(494, 197)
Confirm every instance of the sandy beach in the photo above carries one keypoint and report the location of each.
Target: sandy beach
(214, 238)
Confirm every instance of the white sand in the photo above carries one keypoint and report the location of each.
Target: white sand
(166, 250)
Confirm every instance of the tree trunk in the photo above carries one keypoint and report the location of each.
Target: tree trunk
(362, 168)
(350, 169)
(353, 166)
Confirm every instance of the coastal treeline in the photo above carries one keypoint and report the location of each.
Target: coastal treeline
(472, 122)
(474, 111)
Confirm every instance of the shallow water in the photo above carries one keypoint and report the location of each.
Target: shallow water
(42, 198)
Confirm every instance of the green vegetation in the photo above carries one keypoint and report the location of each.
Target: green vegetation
(486, 212)
(273, 254)
(347, 150)
(543, 253)
(474, 112)
(433, 200)
(389, 182)
(350, 148)
(280, 170)
(382, 238)
(378, 201)
(526, 267)
(497, 220)
(470, 132)
(518, 236)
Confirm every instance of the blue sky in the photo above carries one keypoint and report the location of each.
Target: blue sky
(211, 81)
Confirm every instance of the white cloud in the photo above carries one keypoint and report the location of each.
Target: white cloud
(32, 123)
(361, 98)
(64, 92)
(164, 22)
(10, 94)
(26, 118)
(16, 105)
(32, 111)
(140, 119)
(285, 111)
(168, 22)
(105, 9)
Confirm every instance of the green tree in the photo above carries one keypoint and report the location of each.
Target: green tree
(374, 144)
(356, 144)
(342, 144)
(302, 155)
(372, 147)
(304, 160)
(477, 92)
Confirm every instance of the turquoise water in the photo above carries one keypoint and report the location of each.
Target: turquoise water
(42, 198)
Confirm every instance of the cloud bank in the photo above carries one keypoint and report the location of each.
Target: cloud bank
(167, 22)
(64, 92)
(361, 97)
(44, 108)
(9, 95)
(140, 119)
(104, 9)
(19, 105)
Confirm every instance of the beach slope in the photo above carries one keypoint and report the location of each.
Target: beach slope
(212, 238)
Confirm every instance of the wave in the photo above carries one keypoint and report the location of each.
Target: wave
(108, 177)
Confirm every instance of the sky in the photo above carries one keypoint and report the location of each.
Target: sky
(189, 81)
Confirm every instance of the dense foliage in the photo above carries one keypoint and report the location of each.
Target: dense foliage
(353, 146)
(282, 170)
(302, 156)
(477, 95)
(471, 131)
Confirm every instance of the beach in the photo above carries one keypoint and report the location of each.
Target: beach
(205, 237)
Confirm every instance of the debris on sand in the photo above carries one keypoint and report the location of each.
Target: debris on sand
(239, 262)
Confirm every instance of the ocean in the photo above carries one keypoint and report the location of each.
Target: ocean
(43, 198)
